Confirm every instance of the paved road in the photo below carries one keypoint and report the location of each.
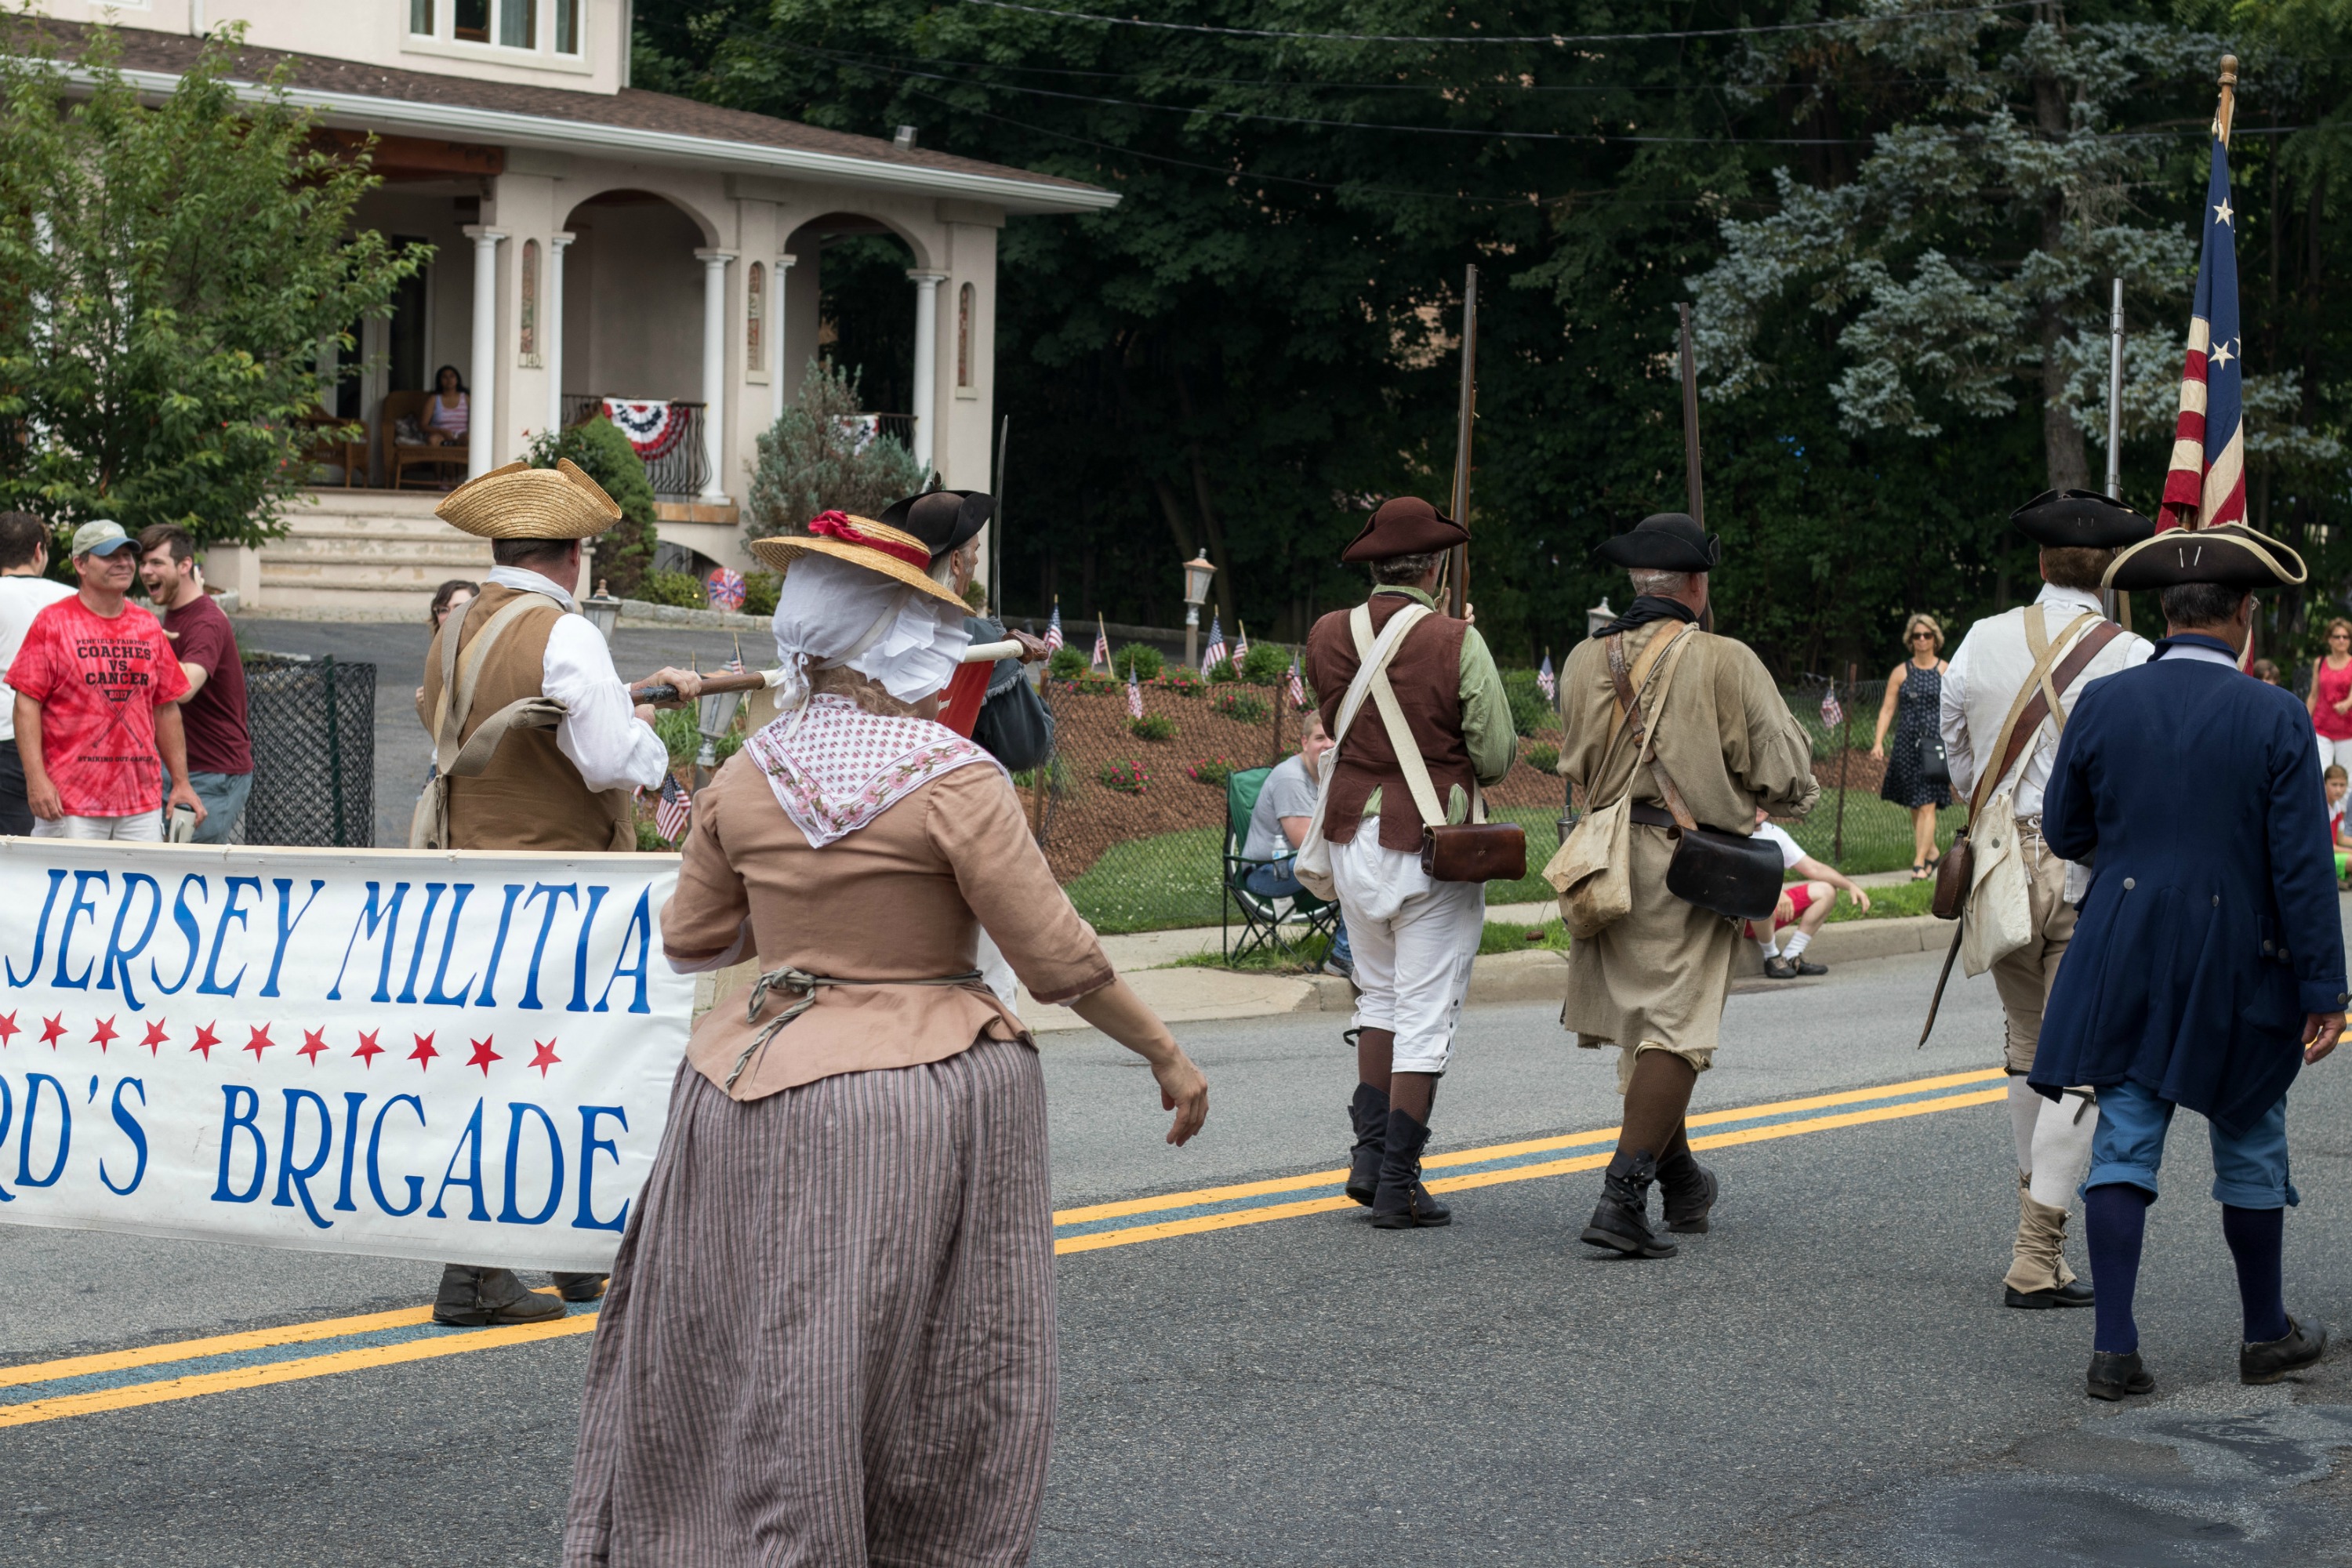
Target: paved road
(1828, 1378)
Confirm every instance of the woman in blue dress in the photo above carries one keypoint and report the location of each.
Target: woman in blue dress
(1916, 778)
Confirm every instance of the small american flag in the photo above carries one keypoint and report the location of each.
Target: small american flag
(1134, 694)
(1054, 629)
(1298, 685)
(1546, 682)
(1102, 647)
(1241, 647)
(1832, 715)
(1214, 653)
(676, 810)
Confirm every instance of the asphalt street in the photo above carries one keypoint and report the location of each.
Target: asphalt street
(1828, 1378)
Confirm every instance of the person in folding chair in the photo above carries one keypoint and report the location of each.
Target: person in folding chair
(1279, 820)
(1412, 937)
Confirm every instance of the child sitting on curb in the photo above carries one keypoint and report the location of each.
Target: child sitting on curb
(1805, 904)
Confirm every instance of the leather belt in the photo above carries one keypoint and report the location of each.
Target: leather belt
(1649, 815)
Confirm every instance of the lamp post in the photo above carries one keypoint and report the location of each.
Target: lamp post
(603, 611)
(1197, 573)
(714, 712)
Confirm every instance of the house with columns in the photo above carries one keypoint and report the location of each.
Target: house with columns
(597, 247)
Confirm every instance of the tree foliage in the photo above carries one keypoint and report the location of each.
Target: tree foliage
(818, 457)
(168, 272)
(598, 447)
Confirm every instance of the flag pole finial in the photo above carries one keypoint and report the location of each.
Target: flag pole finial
(2227, 109)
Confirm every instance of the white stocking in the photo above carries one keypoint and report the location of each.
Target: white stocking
(2024, 1108)
(2062, 1150)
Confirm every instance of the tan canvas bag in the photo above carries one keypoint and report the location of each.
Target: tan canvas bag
(1589, 872)
(428, 826)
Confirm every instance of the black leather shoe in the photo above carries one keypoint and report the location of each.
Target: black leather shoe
(483, 1298)
(1804, 967)
(1780, 969)
(1402, 1203)
(1370, 1112)
(2073, 1293)
(1687, 1191)
(2114, 1377)
(1622, 1222)
(580, 1287)
(2303, 1347)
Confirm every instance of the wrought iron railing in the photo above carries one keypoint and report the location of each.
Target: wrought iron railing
(667, 434)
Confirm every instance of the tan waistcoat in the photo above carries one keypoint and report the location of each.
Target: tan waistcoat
(531, 797)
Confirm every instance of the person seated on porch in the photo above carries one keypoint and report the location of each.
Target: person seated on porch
(449, 411)
(1285, 805)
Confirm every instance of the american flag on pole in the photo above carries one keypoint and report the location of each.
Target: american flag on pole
(1134, 694)
(1298, 685)
(1832, 715)
(676, 810)
(1214, 653)
(1102, 647)
(1546, 682)
(1241, 647)
(2208, 482)
(1054, 630)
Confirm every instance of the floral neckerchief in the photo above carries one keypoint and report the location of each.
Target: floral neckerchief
(835, 767)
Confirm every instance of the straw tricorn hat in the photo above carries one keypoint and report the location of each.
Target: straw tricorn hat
(2230, 554)
(519, 502)
(861, 541)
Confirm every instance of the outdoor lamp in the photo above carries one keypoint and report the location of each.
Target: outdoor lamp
(713, 713)
(1600, 615)
(603, 611)
(1197, 573)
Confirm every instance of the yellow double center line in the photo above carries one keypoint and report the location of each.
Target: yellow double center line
(81, 1385)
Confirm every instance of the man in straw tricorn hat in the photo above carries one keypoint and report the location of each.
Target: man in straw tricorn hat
(537, 741)
(2012, 682)
(830, 1337)
(2207, 966)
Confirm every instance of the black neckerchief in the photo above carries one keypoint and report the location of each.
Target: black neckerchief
(1646, 608)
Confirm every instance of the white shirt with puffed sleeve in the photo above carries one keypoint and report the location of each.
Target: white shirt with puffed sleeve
(602, 735)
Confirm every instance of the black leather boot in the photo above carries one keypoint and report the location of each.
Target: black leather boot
(1371, 1114)
(480, 1297)
(1687, 1191)
(1622, 1219)
(2114, 1377)
(579, 1287)
(1402, 1203)
(2303, 1345)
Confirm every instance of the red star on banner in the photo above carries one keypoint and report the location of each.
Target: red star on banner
(8, 1029)
(259, 1042)
(313, 1042)
(205, 1041)
(543, 1056)
(156, 1036)
(104, 1033)
(52, 1029)
(424, 1053)
(369, 1050)
(483, 1057)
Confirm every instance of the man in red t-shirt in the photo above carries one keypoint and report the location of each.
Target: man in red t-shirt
(220, 750)
(97, 694)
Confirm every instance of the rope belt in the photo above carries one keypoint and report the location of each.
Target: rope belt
(784, 977)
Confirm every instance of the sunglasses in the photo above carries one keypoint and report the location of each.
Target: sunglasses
(1923, 636)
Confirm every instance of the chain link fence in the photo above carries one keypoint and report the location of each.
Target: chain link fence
(313, 729)
(1852, 827)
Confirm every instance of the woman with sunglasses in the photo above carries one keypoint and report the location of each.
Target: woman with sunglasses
(1916, 777)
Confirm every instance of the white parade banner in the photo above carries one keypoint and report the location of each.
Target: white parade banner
(455, 1056)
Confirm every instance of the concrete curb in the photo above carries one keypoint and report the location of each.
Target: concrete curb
(638, 613)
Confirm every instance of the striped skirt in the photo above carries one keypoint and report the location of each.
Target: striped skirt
(829, 1339)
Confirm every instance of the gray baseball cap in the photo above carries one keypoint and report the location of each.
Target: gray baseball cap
(103, 537)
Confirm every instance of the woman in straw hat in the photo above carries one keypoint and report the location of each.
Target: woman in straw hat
(830, 1336)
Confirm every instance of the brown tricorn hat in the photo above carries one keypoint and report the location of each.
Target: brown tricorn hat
(1406, 525)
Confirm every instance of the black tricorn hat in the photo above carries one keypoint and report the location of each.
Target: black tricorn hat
(1663, 542)
(2080, 520)
(1404, 525)
(940, 519)
(2232, 555)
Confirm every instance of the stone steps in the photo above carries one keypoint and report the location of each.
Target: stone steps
(366, 551)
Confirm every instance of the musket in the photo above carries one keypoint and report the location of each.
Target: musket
(660, 691)
(1457, 596)
(1694, 493)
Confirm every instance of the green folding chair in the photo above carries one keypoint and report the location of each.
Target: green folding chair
(1282, 922)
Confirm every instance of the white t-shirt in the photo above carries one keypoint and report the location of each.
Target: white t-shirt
(21, 598)
(1778, 837)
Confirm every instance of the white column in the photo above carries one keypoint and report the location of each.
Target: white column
(481, 431)
(714, 368)
(776, 334)
(551, 330)
(926, 361)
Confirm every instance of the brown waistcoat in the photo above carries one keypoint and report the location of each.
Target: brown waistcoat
(531, 797)
(1427, 675)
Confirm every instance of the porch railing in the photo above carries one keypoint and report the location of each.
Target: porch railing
(667, 434)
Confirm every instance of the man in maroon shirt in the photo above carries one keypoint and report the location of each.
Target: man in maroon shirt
(220, 750)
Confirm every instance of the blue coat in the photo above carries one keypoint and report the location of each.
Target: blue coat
(2210, 927)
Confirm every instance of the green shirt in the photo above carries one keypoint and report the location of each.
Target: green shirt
(1487, 732)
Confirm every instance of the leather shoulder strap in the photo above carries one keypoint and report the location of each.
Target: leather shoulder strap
(2035, 700)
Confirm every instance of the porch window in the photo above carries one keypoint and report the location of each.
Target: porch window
(420, 17)
(527, 333)
(518, 24)
(963, 336)
(473, 20)
(755, 312)
(567, 27)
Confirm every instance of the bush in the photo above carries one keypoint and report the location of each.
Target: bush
(1530, 710)
(1127, 776)
(1057, 778)
(1214, 771)
(1140, 658)
(1067, 663)
(1222, 672)
(624, 553)
(1182, 681)
(1153, 727)
(1544, 759)
(1265, 663)
(683, 589)
(760, 591)
(1247, 707)
(812, 460)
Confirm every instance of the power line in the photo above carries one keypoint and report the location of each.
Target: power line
(1553, 38)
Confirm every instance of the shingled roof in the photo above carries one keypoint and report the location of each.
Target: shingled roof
(631, 122)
